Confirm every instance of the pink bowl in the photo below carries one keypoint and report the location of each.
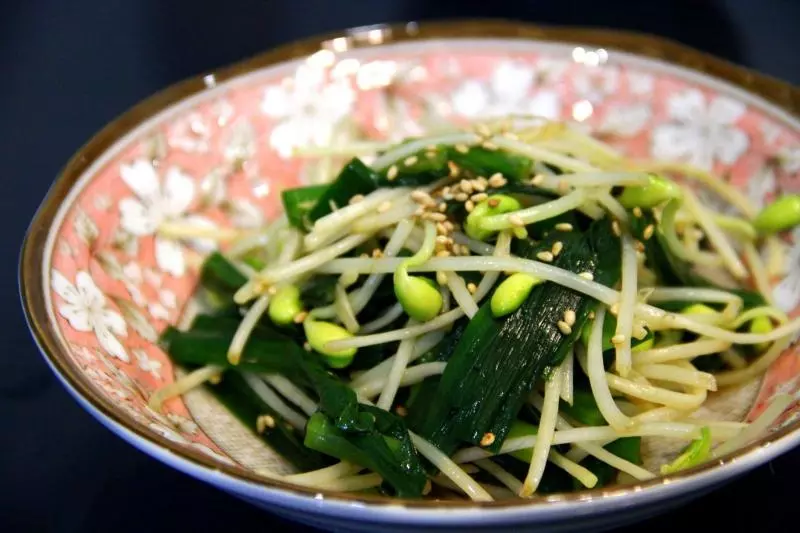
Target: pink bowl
(98, 284)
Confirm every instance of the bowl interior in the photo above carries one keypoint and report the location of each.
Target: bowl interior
(111, 281)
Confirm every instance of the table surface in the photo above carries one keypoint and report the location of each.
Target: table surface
(69, 67)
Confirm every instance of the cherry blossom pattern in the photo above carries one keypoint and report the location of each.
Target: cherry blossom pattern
(84, 307)
(511, 89)
(307, 108)
(701, 132)
(148, 364)
(155, 204)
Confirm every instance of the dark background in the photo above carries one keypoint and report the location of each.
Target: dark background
(68, 67)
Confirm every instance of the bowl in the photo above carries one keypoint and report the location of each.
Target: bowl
(98, 284)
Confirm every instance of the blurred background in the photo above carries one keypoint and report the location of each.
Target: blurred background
(67, 68)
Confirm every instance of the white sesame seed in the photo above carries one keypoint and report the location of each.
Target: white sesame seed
(377, 253)
(618, 339)
(443, 253)
(471, 287)
(466, 186)
(564, 327)
(462, 148)
(437, 217)
(477, 198)
(355, 199)
(557, 247)
(461, 197)
(441, 278)
(469, 205)
(391, 174)
(483, 130)
(384, 206)
(537, 179)
(497, 180)
(547, 257)
(637, 212)
(441, 229)
(614, 309)
(479, 185)
(648, 232)
(587, 276)
(454, 170)
(563, 226)
(489, 145)
(430, 155)
(410, 160)
(442, 207)
(616, 229)
(569, 317)
(263, 422)
(591, 315)
(418, 195)
(441, 239)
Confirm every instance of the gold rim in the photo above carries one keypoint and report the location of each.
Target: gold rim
(779, 93)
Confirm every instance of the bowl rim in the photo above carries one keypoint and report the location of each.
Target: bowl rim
(781, 94)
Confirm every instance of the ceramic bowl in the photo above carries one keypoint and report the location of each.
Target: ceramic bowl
(98, 284)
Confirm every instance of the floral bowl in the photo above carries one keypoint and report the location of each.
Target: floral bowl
(99, 282)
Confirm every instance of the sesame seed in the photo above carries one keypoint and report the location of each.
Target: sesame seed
(537, 179)
(461, 197)
(263, 422)
(441, 278)
(307, 346)
(591, 315)
(431, 147)
(420, 212)
(384, 206)
(493, 202)
(430, 155)
(441, 229)
(300, 317)
(614, 309)
(443, 253)
(471, 287)
(454, 169)
(618, 339)
(487, 439)
(563, 226)
(479, 185)
(557, 247)
(355, 199)
(477, 198)
(441, 239)
(401, 411)
(462, 148)
(615, 228)
(489, 145)
(648, 232)
(365, 255)
(215, 379)
(483, 130)
(516, 220)
(466, 186)
(391, 174)
(418, 195)
(464, 249)
(564, 327)
(587, 276)
(410, 160)
(273, 290)
(547, 257)
(639, 246)
(437, 217)
(497, 180)
(427, 488)
(569, 317)
(469, 205)
(637, 212)
(442, 207)
(377, 253)
(449, 225)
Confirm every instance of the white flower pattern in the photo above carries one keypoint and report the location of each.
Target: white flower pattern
(307, 109)
(148, 364)
(701, 132)
(84, 307)
(155, 204)
(512, 89)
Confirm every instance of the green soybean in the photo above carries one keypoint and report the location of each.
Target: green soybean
(512, 293)
(496, 204)
(781, 215)
(657, 191)
(319, 334)
(285, 305)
